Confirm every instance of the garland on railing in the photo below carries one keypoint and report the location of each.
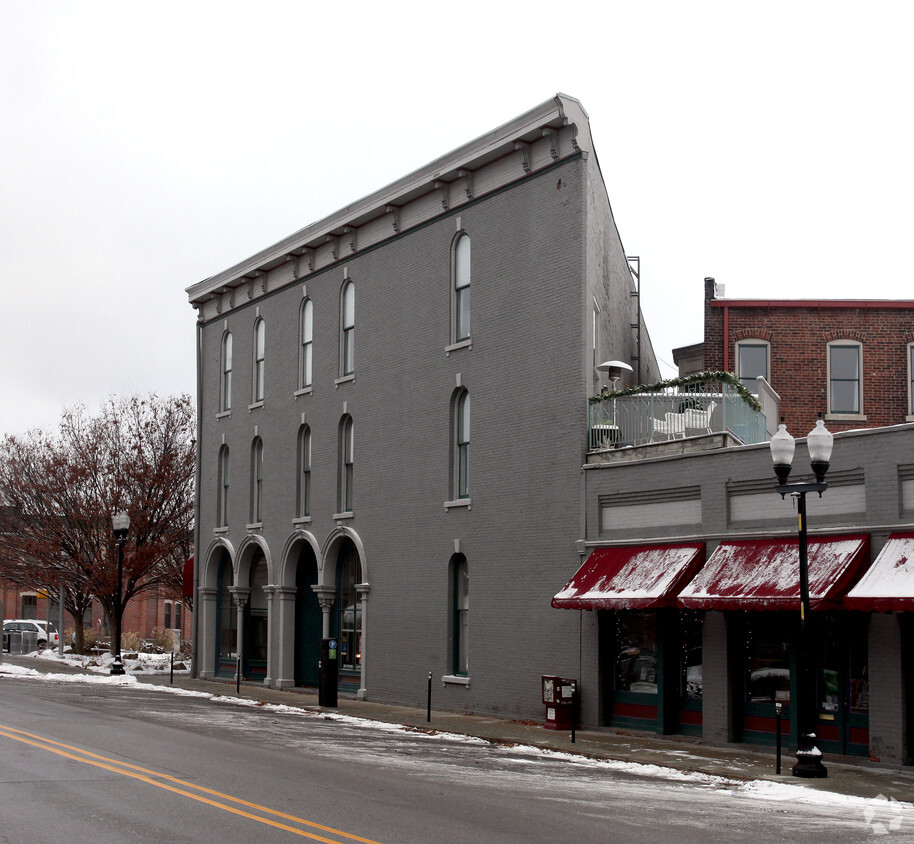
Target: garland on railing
(685, 381)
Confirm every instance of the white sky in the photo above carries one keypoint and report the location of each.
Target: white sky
(147, 146)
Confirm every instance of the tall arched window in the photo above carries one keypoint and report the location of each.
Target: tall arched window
(260, 340)
(461, 289)
(222, 498)
(307, 338)
(346, 464)
(460, 612)
(349, 611)
(462, 445)
(225, 386)
(226, 620)
(257, 481)
(303, 484)
(347, 329)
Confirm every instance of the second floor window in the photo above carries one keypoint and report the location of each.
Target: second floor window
(346, 464)
(225, 386)
(260, 342)
(751, 362)
(304, 472)
(462, 451)
(307, 337)
(347, 329)
(223, 492)
(257, 481)
(845, 394)
(911, 379)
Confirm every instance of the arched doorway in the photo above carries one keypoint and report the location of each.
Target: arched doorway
(256, 620)
(348, 617)
(308, 621)
(226, 620)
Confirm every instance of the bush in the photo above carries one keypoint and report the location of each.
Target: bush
(164, 638)
(90, 639)
(130, 641)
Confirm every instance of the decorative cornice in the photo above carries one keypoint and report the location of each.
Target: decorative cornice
(334, 247)
(553, 141)
(353, 233)
(467, 176)
(394, 211)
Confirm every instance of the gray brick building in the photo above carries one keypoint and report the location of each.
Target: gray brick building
(393, 424)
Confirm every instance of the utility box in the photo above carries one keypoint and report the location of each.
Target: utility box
(329, 673)
(558, 698)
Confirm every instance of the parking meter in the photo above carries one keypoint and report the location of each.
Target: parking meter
(329, 671)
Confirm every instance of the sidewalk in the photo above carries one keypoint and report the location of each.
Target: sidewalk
(846, 775)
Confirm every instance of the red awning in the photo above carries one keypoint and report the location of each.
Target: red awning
(764, 574)
(889, 582)
(636, 578)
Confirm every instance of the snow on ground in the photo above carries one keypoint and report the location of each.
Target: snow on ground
(152, 663)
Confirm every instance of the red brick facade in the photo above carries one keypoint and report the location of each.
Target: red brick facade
(142, 614)
(799, 332)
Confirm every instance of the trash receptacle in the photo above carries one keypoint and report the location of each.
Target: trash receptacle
(558, 697)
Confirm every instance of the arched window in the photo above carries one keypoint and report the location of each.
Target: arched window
(845, 377)
(460, 608)
(257, 481)
(346, 464)
(347, 329)
(222, 498)
(307, 338)
(462, 445)
(225, 386)
(349, 611)
(260, 339)
(303, 484)
(461, 289)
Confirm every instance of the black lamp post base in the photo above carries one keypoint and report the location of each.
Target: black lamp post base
(809, 759)
(118, 667)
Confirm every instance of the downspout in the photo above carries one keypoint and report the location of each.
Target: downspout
(726, 338)
(194, 646)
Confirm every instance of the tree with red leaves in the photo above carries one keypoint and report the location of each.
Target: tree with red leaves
(60, 489)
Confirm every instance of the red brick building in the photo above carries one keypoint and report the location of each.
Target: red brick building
(142, 614)
(852, 360)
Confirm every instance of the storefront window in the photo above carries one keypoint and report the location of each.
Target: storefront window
(226, 611)
(690, 657)
(257, 632)
(350, 610)
(768, 658)
(636, 660)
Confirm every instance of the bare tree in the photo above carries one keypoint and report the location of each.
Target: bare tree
(60, 489)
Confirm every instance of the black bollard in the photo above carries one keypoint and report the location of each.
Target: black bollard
(238, 675)
(429, 715)
(777, 744)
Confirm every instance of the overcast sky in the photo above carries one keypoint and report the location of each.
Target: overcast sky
(147, 146)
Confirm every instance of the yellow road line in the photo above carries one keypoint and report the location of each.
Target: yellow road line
(155, 778)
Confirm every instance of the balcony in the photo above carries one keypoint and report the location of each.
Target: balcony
(700, 405)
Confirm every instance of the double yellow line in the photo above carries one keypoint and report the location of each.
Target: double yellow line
(185, 789)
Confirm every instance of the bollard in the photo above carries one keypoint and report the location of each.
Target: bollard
(574, 710)
(238, 675)
(171, 670)
(429, 715)
(777, 743)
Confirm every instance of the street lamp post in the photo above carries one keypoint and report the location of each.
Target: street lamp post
(819, 444)
(121, 524)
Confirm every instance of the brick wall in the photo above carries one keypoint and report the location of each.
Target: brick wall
(799, 334)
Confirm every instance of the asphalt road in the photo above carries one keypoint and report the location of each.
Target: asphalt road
(97, 763)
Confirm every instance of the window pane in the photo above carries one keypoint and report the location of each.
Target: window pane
(753, 361)
(306, 365)
(845, 362)
(349, 306)
(844, 397)
(636, 643)
(462, 263)
(463, 314)
(348, 351)
(307, 321)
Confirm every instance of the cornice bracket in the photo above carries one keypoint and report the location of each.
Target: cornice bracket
(467, 176)
(524, 148)
(553, 140)
(334, 242)
(353, 233)
(394, 211)
(443, 187)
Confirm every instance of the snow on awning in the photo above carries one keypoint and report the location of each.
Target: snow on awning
(889, 582)
(634, 578)
(764, 574)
